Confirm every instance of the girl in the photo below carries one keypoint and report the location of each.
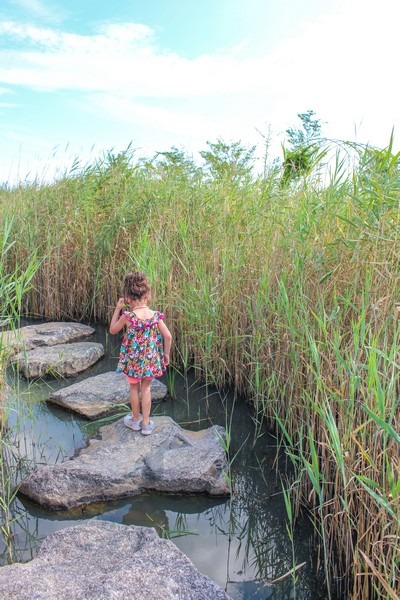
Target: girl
(145, 347)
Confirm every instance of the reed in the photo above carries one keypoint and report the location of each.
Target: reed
(287, 294)
(14, 283)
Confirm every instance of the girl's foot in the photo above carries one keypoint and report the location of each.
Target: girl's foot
(131, 424)
(147, 429)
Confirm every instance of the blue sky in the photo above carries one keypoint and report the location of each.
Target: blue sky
(79, 78)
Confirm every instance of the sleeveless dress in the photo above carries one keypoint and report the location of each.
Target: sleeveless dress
(141, 354)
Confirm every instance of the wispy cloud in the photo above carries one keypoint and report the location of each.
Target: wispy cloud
(35, 8)
(333, 60)
(120, 58)
(173, 120)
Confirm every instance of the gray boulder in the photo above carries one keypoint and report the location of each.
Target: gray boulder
(100, 560)
(62, 360)
(98, 396)
(44, 334)
(119, 462)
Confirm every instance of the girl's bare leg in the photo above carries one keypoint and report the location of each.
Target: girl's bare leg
(146, 400)
(135, 400)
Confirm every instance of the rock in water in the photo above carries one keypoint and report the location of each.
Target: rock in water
(45, 334)
(100, 560)
(62, 360)
(119, 462)
(98, 396)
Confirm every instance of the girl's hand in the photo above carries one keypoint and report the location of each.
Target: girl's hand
(166, 360)
(120, 303)
(118, 320)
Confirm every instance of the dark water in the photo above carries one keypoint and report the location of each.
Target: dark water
(241, 543)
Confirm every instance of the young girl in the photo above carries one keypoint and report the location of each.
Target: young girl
(145, 347)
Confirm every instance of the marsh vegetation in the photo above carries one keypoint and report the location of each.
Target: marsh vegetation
(284, 289)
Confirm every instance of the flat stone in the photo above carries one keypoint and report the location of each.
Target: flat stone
(99, 396)
(45, 334)
(119, 462)
(100, 560)
(62, 360)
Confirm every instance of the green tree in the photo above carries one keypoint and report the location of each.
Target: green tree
(304, 147)
(309, 132)
(229, 162)
(176, 160)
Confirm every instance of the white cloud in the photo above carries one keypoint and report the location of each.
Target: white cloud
(340, 61)
(180, 122)
(123, 59)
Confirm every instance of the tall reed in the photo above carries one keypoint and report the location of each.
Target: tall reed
(285, 293)
(14, 283)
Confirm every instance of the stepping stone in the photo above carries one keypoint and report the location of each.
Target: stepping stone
(99, 396)
(45, 334)
(62, 360)
(100, 560)
(119, 462)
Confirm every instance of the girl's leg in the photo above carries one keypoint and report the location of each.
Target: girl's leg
(146, 400)
(135, 400)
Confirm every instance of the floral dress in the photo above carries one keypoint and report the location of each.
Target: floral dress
(141, 354)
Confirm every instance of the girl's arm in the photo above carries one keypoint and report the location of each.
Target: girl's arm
(118, 321)
(167, 340)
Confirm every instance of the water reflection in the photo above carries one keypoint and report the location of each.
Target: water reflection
(241, 543)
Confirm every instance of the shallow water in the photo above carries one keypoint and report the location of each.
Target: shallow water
(241, 543)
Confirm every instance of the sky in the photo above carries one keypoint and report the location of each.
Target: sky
(80, 78)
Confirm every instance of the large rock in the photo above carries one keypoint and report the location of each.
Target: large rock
(99, 396)
(62, 360)
(45, 334)
(101, 560)
(119, 462)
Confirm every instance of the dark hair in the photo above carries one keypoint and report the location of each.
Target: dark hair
(136, 285)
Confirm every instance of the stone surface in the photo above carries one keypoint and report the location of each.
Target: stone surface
(98, 396)
(62, 360)
(45, 334)
(101, 560)
(119, 462)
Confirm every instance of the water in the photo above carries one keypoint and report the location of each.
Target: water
(241, 543)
